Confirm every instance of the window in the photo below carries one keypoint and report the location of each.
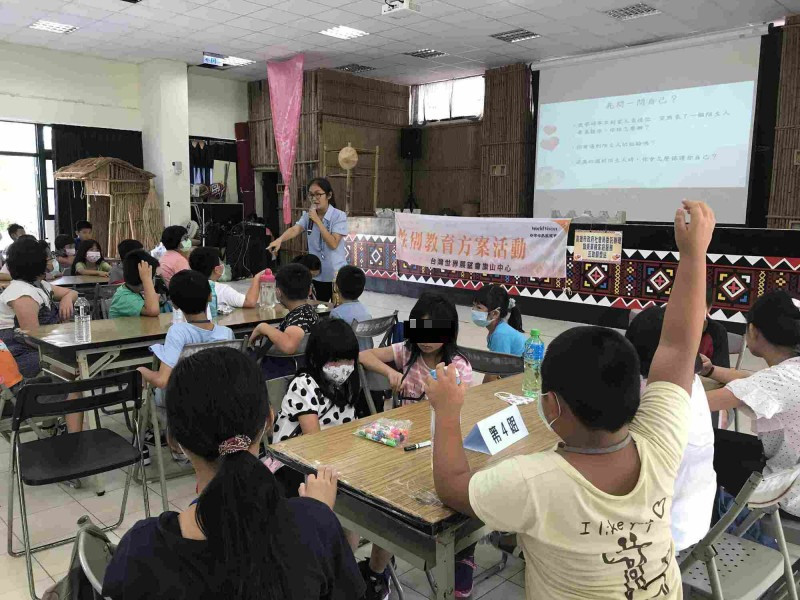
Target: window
(26, 180)
(453, 99)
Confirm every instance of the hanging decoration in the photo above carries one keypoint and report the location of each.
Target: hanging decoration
(285, 81)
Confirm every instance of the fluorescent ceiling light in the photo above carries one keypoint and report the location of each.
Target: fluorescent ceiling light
(634, 11)
(426, 53)
(53, 27)
(515, 35)
(354, 68)
(343, 33)
(219, 61)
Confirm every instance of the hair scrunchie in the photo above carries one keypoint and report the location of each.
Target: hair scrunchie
(237, 443)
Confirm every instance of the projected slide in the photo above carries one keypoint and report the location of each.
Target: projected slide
(697, 137)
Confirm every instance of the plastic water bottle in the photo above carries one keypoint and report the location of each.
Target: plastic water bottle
(83, 320)
(533, 356)
(266, 293)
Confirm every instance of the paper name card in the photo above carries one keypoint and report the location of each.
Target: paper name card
(497, 432)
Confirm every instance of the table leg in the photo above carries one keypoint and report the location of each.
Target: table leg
(157, 449)
(444, 571)
(95, 481)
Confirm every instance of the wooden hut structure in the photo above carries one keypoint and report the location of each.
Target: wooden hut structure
(116, 193)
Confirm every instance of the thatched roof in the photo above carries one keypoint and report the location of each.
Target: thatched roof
(81, 169)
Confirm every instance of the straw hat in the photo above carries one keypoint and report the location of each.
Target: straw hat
(348, 158)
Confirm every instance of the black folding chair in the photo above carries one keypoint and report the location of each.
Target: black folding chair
(493, 363)
(70, 456)
(103, 294)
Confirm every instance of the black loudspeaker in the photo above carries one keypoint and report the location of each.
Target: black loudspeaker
(246, 255)
(411, 142)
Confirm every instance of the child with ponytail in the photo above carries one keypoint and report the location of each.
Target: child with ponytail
(494, 309)
(241, 538)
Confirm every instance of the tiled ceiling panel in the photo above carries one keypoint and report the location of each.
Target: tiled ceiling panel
(264, 30)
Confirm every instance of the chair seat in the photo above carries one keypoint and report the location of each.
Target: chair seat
(74, 455)
(746, 569)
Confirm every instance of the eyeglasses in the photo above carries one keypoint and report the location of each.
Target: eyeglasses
(315, 196)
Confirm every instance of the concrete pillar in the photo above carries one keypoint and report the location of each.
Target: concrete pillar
(163, 89)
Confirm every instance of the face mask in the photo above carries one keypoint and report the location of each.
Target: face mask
(540, 410)
(70, 251)
(186, 244)
(93, 256)
(480, 318)
(338, 374)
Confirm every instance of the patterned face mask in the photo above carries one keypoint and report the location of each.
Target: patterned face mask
(338, 374)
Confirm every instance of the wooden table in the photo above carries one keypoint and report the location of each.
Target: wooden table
(387, 495)
(79, 281)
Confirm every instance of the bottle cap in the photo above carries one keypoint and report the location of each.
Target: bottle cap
(534, 332)
(267, 276)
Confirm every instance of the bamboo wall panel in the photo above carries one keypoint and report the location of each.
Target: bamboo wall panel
(449, 172)
(784, 202)
(508, 139)
(336, 133)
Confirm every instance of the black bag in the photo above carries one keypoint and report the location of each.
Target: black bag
(77, 585)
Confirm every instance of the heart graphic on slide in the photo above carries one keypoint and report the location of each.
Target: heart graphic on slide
(549, 143)
(550, 129)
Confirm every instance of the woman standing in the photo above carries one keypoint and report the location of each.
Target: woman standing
(325, 225)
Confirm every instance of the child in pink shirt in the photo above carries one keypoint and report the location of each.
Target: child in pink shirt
(174, 238)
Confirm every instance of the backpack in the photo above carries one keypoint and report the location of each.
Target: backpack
(80, 582)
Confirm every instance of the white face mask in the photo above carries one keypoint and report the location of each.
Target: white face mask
(93, 256)
(543, 417)
(70, 251)
(338, 374)
(186, 244)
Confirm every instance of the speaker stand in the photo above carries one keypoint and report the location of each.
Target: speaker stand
(411, 201)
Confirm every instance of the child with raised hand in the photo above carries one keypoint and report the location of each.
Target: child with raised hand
(559, 502)
(241, 538)
(324, 393)
(206, 261)
(89, 260)
(138, 295)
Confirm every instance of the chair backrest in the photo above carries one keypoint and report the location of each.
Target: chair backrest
(276, 389)
(735, 343)
(301, 349)
(190, 349)
(36, 400)
(773, 488)
(493, 363)
(372, 328)
(103, 294)
(372, 382)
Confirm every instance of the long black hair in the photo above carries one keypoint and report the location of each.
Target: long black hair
(331, 340)
(495, 297)
(778, 319)
(213, 396)
(438, 308)
(83, 248)
(326, 187)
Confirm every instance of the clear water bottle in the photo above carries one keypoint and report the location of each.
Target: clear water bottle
(83, 320)
(266, 293)
(533, 356)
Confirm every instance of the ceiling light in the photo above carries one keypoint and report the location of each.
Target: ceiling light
(634, 11)
(515, 35)
(344, 33)
(218, 61)
(426, 53)
(53, 27)
(354, 68)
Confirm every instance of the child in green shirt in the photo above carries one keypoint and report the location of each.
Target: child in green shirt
(137, 296)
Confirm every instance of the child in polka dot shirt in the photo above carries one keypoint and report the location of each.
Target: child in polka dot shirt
(323, 394)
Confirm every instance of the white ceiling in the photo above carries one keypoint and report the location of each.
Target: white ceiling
(273, 29)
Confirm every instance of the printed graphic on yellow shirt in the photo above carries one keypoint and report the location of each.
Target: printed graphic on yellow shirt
(634, 554)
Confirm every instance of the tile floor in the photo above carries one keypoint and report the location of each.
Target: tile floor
(54, 510)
